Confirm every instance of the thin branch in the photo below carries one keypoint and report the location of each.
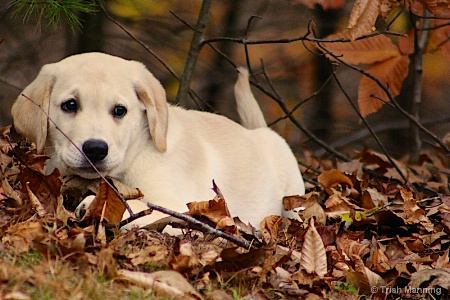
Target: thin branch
(305, 37)
(391, 99)
(288, 113)
(205, 228)
(391, 161)
(363, 133)
(194, 51)
(172, 72)
(419, 48)
(202, 226)
(300, 103)
(247, 56)
(84, 155)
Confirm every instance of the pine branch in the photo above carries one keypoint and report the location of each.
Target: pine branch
(53, 11)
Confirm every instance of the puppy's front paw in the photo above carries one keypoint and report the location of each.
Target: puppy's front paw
(82, 208)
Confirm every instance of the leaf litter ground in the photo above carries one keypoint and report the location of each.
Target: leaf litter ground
(365, 234)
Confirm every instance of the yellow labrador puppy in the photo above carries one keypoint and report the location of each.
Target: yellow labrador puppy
(116, 112)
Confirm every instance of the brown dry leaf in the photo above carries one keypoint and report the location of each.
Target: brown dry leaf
(433, 277)
(153, 253)
(438, 38)
(232, 260)
(45, 187)
(309, 205)
(106, 264)
(406, 43)
(362, 18)
(186, 259)
(106, 204)
(390, 73)
(436, 7)
(270, 226)
(414, 214)
(218, 295)
(313, 254)
(214, 210)
(326, 4)
(336, 205)
(378, 261)
(387, 6)
(351, 244)
(443, 261)
(332, 178)
(8, 191)
(35, 203)
(169, 284)
(22, 235)
(363, 278)
(378, 48)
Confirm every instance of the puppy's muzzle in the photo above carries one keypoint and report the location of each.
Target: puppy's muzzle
(95, 150)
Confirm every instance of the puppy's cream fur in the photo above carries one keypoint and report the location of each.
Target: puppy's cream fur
(171, 154)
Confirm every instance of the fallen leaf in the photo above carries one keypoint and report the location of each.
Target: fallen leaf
(106, 205)
(330, 179)
(363, 278)
(313, 255)
(433, 278)
(169, 284)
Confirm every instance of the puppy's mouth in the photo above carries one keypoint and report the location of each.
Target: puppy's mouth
(87, 171)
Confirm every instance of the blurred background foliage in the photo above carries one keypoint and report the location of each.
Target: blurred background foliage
(297, 72)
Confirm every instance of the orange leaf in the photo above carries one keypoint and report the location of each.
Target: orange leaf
(331, 178)
(365, 51)
(391, 74)
(114, 209)
(363, 17)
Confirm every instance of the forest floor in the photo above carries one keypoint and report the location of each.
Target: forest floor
(366, 234)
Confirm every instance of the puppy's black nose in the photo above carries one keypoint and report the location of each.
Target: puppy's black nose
(95, 150)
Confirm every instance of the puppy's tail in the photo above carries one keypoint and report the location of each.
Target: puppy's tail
(249, 111)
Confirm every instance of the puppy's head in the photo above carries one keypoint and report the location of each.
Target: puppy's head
(105, 106)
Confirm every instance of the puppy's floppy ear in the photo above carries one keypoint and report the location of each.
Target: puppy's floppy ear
(29, 119)
(152, 94)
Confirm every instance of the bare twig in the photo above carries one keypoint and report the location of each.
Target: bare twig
(202, 226)
(205, 228)
(84, 155)
(419, 48)
(247, 56)
(391, 99)
(138, 41)
(290, 116)
(391, 161)
(363, 133)
(305, 37)
(194, 51)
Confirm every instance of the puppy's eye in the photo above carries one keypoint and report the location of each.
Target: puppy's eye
(70, 106)
(119, 111)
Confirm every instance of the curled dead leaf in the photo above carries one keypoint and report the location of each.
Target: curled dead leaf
(270, 226)
(332, 178)
(214, 210)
